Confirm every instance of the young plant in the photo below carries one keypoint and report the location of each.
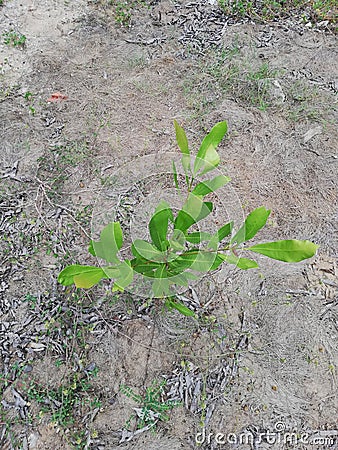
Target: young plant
(175, 254)
(152, 407)
(62, 402)
(124, 10)
(14, 39)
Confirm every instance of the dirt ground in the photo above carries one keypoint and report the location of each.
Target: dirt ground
(259, 369)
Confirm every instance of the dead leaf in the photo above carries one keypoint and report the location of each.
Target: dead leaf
(37, 347)
(312, 133)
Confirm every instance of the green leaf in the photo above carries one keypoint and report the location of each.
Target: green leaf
(181, 139)
(208, 186)
(207, 157)
(161, 272)
(253, 223)
(183, 221)
(176, 245)
(205, 211)
(145, 267)
(241, 263)
(111, 272)
(125, 276)
(291, 250)
(180, 279)
(88, 279)
(183, 262)
(110, 242)
(192, 212)
(220, 235)
(186, 166)
(182, 142)
(245, 264)
(199, 260)
(160, 287)
(178, 240)
(225, 231)
(218, 261)
(144, 249)
(187, 216)
(81, 276)
(197, 237)
(175, 176)
(158, 225)
(179, 307)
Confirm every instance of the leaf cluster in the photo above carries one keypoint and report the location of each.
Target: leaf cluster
(176, 253)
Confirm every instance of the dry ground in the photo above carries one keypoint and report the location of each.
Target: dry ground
(263, 356)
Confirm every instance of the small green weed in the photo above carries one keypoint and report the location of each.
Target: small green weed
(326, 10)
(28, 95)
(137, 62)
(64, 405)
(63, 401)
(57, 165)
(15, 39)
(63, 156)
(31, 300)
(249, 81)
(152, 406)
(123, 10)
(7, 429)
(30, 100)
(265, 10)
(258, 85)
(228, 73)
(15, 371)
(73, 154)
(308, 102)
(237, 7)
